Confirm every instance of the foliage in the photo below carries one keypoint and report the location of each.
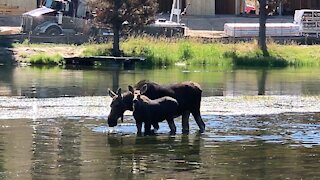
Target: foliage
(185, 51)
(256, 59)
(97, 50)
(272, 4)
(26, 42)
(134, 13)
(45, 59)
(166, 52)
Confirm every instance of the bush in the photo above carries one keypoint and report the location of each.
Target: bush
(185, 51)
(97, 50)
(45, 59)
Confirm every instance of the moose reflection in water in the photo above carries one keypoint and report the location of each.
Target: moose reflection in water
(188, 95)
(167, 155)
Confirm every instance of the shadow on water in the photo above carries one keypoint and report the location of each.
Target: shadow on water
(2, 159)
(7, 88)
(6, 54)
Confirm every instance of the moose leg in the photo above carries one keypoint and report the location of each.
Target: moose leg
(147, 128)
(122, 118)
(155, 127)
(199, 121)
(139, 128)
(172, 126)
(185, 122)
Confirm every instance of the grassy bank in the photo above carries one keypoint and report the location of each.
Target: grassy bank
(163, 51)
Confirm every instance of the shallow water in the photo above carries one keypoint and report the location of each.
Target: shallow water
(233, 147)
(53, 126)
(56, 82)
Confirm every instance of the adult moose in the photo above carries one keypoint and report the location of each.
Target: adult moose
(188, 95)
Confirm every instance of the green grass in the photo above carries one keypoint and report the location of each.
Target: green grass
(97, 50)
(45, 59)
(167, 52)
(297, 55)
(171, 51)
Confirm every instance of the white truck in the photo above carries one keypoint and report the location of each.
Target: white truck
(57, 17)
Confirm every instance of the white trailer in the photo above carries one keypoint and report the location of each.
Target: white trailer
(308, 22)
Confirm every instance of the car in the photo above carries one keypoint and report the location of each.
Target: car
(250, 9)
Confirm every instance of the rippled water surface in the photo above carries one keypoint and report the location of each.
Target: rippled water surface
(53, 126)
(237, 147)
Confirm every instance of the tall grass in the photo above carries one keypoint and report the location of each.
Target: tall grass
(170, 51)
(297, 55)
(163, 51)
(97, 50)
(45, 59)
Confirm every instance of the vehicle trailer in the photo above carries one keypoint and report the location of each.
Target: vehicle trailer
(57, 17)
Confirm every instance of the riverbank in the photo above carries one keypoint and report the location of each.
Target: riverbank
(167, 52)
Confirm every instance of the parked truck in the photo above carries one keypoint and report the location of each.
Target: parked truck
(57, 17)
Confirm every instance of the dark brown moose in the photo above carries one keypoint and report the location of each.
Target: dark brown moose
(151, 112)
(188, 95)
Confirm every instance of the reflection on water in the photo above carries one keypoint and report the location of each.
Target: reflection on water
(49, 144)
(56, 82)
(284, 146)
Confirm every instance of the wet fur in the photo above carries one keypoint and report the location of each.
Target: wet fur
(151, 112)
(188, 95)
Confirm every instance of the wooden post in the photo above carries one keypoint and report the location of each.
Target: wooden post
(256, 6)
(280, 8)
(237, 7)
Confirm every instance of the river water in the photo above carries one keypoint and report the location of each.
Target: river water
(261, 124)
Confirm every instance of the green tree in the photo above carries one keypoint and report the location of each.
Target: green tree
(265, 7)
(135, 13)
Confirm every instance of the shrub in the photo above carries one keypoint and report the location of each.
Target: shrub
(45, 59)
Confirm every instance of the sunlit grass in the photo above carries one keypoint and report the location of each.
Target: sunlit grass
(163, 51)
(169, 51)
(96, 50)
(297, 55)
(45, 59)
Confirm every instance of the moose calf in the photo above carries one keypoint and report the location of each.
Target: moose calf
(151, 112)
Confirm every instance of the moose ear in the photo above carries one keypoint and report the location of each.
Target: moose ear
(111, 93)
(119, 92)
(144, 89)
(130, 88)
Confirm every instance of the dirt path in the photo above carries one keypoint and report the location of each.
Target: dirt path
(21, 53)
